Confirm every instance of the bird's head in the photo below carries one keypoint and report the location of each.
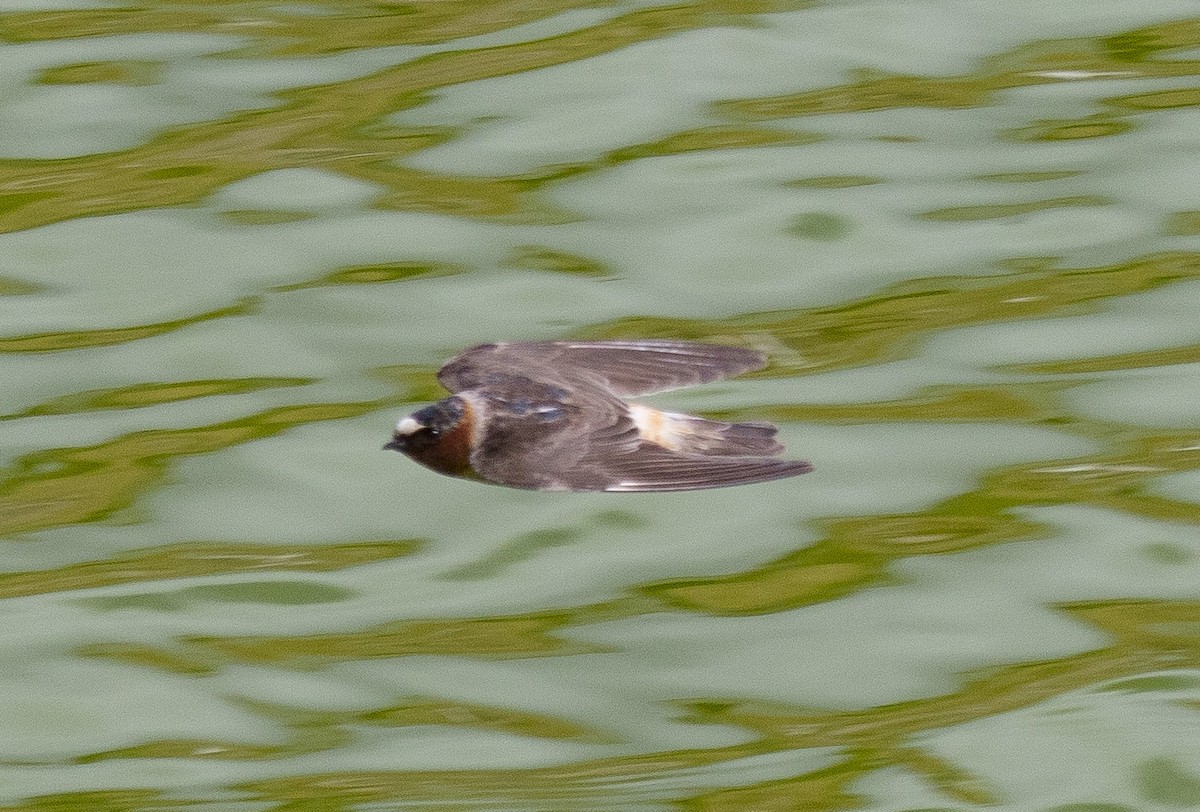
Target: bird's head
(437, 436)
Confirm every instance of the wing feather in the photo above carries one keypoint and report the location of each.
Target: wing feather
(625, 368)
(651, 468)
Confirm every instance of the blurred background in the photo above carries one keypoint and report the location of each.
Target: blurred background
(237, 239)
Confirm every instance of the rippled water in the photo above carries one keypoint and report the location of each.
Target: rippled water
(238, 238)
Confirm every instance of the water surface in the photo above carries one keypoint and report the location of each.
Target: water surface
(237, 240)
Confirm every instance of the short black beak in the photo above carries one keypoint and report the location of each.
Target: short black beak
(395, 445)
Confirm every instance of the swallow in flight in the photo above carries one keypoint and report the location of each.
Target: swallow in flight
(553, 416)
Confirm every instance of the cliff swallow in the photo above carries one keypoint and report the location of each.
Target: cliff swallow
(552, 416)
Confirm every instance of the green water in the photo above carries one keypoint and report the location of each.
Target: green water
(237, 239)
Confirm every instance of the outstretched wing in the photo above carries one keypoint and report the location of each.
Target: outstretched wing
(651, 468)
(623, 462)
(625, 368)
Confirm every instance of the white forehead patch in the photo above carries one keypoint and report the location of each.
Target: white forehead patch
(408, 426)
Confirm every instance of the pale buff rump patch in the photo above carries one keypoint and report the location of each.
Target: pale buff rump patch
(665, 429)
